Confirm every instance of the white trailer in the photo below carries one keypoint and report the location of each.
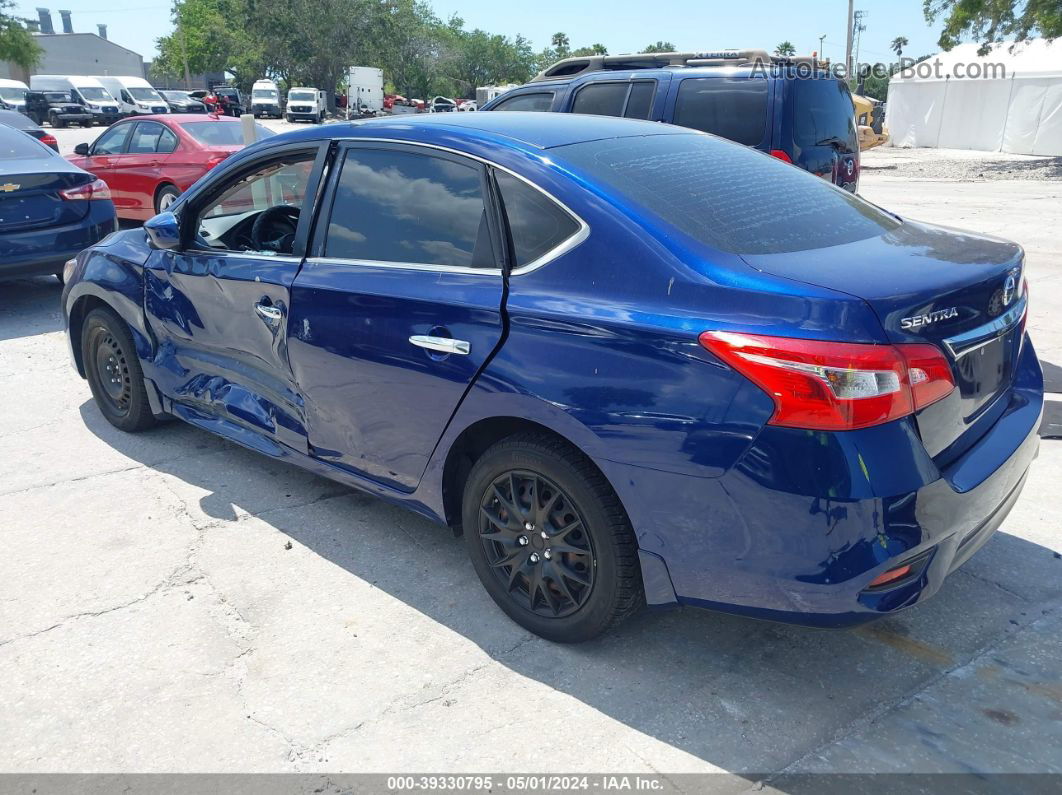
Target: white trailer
(485, 94)
(364, 89)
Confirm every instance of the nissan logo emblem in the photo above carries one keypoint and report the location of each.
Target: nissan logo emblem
(1009, 287)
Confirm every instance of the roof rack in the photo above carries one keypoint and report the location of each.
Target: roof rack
(569, 67)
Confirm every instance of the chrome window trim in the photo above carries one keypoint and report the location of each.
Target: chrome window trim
(976, 338)
(566, 245)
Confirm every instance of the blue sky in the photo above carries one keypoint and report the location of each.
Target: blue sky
(621, 25)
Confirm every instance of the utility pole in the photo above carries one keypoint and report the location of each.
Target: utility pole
(184, 46)
(859, 28)
(822, 56)
(848, 42)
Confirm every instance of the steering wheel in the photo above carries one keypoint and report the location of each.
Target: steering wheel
(274, 229)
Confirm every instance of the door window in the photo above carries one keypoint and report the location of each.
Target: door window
(113, 141)
(541, 101)
(630, 99)
(258, 211)
(145, 138)
(730, 107)
(401, 207)
(537, 224)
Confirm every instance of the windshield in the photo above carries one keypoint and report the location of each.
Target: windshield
(95, 92)
(176, 95)
(264, 93)
(13, 94)
(57, 96)
(144, 93)
(302, 95)
(728, 196)
(221, 133)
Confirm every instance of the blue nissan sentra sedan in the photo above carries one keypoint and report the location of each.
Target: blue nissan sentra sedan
(632, 363)
(49, 208)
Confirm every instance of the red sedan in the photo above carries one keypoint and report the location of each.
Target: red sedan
(148, 161)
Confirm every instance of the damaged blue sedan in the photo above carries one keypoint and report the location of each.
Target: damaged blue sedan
(631, 363)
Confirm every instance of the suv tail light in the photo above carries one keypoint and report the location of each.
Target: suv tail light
(835, 386)
(97, 189)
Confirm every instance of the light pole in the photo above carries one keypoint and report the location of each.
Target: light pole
(822, 38)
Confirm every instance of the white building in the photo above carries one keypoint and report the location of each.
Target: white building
(1006, 101)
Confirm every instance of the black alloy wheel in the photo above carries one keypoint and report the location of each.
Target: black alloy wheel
(536, 543)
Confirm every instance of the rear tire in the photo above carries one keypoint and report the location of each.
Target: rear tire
(166, 196)
(550, 540)
(113, 372)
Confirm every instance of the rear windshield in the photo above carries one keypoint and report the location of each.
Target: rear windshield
(221, 133)
(730, 107)
(728, 197)
(16, 145)
(820, 113)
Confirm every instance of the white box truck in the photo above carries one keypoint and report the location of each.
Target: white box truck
(308, 104)
(364, 90)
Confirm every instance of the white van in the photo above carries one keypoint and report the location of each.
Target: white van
(87, 90)
(265, 99)
(135, 95)
(308, 104)
(13, 95)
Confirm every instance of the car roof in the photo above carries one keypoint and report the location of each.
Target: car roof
(537, 130)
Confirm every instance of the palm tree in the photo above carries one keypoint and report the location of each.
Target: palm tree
(660, 46)
(786, 48)
(898, 44)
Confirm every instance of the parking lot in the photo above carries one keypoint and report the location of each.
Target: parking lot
(172, 602)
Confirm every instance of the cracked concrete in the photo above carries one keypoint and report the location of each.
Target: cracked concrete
(170, 602)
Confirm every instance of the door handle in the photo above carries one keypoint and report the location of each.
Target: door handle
(441, 344)
(268, 312)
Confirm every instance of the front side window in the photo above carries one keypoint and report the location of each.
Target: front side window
(258, 211)
(730, 107)
(402, 207)
(537, 224)
(113, 141)
(541, 101)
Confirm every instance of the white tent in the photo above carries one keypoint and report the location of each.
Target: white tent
(1006, 101)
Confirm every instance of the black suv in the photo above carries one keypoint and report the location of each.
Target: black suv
(58, 108)
(792, 107)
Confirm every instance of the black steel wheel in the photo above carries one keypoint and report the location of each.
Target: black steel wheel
(549, 539)
(113, 371)
(536, 542)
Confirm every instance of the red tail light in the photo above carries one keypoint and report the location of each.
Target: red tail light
(835, 385)
(97, 189)
(781, 155)
(216, 159)
(49, 140)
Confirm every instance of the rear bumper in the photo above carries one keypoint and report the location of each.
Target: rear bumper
(799, 528)
(41, 251)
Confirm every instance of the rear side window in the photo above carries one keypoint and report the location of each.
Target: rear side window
(541, 101)
(402, 207)
(729, 197)
(820, 113)
(536, 222)
(730, 107)
(631, 99)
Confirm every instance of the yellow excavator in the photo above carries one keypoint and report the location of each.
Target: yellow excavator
(870, 121)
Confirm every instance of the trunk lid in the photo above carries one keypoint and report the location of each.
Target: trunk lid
(963, 292)
(32, 201)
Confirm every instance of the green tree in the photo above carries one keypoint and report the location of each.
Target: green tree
(898, 44)
(784, 49)
(660, 46)
(16, 43)
(593, 49)
(990, 21)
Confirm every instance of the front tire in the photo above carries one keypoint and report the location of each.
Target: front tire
(113, 371)
(550, 540)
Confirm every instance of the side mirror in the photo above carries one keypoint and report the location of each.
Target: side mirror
(81, 149)
(163, 231)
